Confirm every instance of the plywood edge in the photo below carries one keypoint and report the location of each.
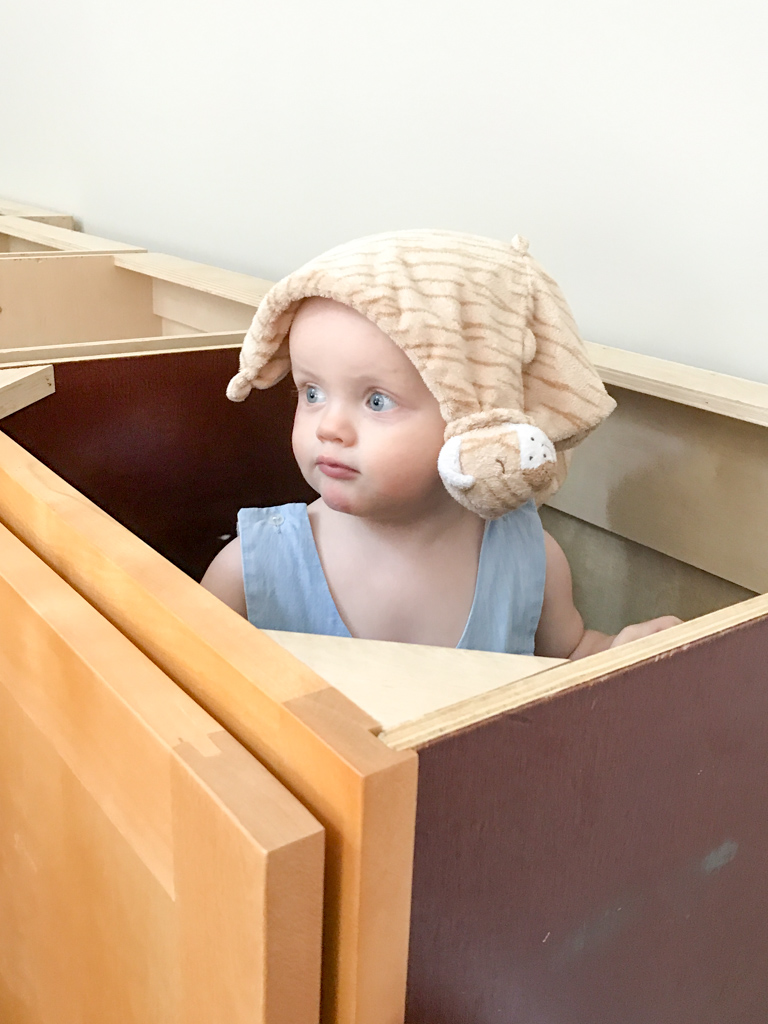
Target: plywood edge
(59, 238)
(9, 207)
(22, 387)
(688, 385)
(518, 695)
(227, 284)
(84, 350)
(397, 683)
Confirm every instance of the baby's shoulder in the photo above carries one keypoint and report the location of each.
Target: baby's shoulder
(224, 577)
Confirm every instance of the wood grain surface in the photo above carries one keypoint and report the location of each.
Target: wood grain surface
(688, 483)
(20, 388)
(312, 738)
(602, 855)
(151, 870)
(11, 208)
(19, 234)
(58, 299)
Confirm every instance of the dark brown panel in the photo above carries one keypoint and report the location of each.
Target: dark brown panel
(154, 441)
(602, 858)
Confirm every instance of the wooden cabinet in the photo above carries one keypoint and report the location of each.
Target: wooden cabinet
(152, 869)
(588, 840)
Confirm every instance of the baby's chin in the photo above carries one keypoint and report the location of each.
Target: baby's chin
(338, 498)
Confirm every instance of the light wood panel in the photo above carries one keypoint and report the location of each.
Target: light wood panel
(227, 284)
(617, 581)
(151, 870)
(8, 207)
(20, 388)
(198, 310)
(688, 483)
(314, 739)
(687, 385)
(119, 348)
(56, 299)
(400, 683)
(570, 675)
(20, 235)
(198, 296)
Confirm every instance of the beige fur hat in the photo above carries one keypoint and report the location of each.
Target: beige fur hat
(491, 335)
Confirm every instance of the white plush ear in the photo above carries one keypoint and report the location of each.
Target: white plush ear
(449, 466)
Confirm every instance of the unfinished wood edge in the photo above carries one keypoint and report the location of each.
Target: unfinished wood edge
(391, 736)
(557, 680)
(63, 239)
(10, 207)
(24, 386)
(131, 355)
(714, 392)
(201, 277)
(85, 251)
(86, 350)
(369, 673)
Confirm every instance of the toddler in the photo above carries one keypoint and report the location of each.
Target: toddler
(440, 381)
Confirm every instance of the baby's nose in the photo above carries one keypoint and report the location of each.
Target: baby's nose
(336, 424)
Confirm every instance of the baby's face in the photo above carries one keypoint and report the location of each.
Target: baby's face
(367, 431)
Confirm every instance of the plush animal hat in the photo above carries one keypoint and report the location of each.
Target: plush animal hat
(491, 335)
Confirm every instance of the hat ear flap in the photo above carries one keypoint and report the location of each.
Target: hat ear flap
(562, 391)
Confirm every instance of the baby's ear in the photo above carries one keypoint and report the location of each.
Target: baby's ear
(562, 391)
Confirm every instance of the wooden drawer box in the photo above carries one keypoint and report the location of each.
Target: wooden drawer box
(153, 872)
(553, 798)
(62, 306)
(589, 838)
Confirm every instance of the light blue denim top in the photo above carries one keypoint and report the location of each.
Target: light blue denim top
(285, 587)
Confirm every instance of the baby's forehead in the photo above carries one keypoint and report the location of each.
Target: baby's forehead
(325, 333)
(318, 307)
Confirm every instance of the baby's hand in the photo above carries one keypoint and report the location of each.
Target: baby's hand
(641, 629)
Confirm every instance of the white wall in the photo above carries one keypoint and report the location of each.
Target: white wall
(627, 140)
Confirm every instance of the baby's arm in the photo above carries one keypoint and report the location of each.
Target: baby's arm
(561, 632)
(224, 577)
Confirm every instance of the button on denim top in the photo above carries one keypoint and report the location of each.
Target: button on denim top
(285, 587)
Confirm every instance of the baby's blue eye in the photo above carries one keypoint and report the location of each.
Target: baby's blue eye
(381, 403)
(314, 395)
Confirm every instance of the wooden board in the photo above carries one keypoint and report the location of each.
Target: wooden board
(400, 683)
(688, 483)
(599, 851)
(20, 388)
(720, 393)
(195, 295)
(151, 870)
(58, 299)
(10, 208)
(20, 235)
(570, 675)
(119, 348)
(313, 739)
(617, 581)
